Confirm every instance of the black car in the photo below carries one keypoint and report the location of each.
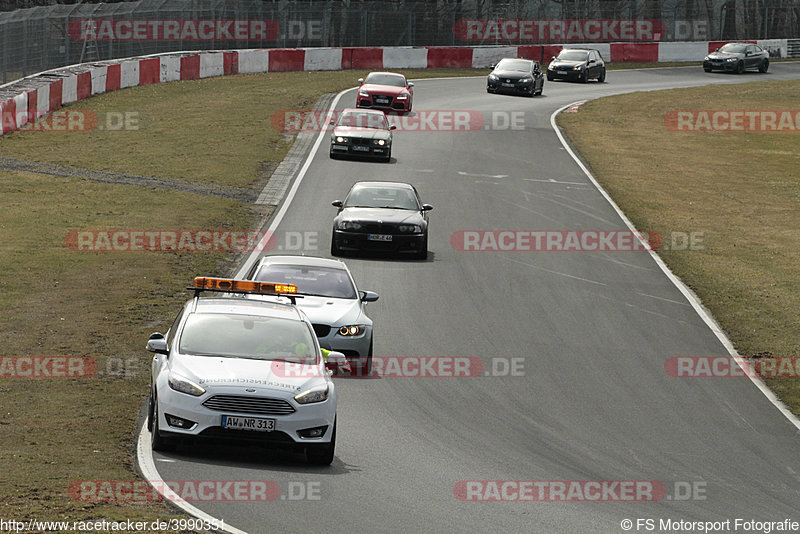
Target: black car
(737, 57)
(363, 133)
(381, 217)
(518, 76)
(578, 64)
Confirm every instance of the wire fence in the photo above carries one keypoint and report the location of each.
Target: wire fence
(51, 36)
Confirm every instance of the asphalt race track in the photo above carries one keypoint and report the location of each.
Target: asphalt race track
(593, 330)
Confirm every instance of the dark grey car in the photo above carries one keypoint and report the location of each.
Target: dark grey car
(577, 64)
(737, 57)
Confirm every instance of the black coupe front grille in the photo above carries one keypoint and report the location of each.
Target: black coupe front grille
(375, 228)
(248, 404)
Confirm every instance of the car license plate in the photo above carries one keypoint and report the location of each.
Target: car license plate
(258, 424)
(382, 100)
(359, 148)
(508, 85)
(561, 72)
(379, 237)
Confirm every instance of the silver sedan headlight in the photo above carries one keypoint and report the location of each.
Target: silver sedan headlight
(412, 228)
(492, 77)
(340, 139)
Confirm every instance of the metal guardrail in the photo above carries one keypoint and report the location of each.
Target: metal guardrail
(40, 38)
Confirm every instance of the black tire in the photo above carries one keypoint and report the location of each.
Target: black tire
(585, 77)
(333, 156)
(533, 91)
(322, 454)
(740, 67)
(549, 77)
(764, 66)
(368, 363)
(423, 253)
(388, 157)
(602, 77)
(157, 441)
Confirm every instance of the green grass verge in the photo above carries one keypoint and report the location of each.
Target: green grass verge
(741, 190)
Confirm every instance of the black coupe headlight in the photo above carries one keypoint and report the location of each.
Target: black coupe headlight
(410, 228)
(349, 225)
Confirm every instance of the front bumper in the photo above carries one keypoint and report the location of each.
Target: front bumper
(373, 151)
(354, 347)
(208, 422)
(400, 243)
(497, 86)
(727, 66)
(565, 74)
(389, 103)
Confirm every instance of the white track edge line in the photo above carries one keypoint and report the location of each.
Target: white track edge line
(276, 220)
(144, 453)
(693, 299)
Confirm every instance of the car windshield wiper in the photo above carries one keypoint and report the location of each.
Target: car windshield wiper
(395, 208)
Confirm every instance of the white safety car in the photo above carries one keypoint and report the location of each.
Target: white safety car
(242, 367)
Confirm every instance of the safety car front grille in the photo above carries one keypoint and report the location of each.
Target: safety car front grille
(249, 404)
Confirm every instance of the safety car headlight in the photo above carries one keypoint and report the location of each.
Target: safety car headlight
(340, 139)
(349, 225)
(316, 394)
(379, 142)
(706, 58)
(184, 385)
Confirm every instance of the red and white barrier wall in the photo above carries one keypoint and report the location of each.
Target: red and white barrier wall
(28, 99)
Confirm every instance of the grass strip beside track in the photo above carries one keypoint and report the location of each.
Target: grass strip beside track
(738, 191)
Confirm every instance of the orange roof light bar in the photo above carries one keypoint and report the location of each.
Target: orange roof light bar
(242, 286)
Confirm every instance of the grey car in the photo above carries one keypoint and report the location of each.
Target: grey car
(737, 57)
(362, 133)
(330, 299)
